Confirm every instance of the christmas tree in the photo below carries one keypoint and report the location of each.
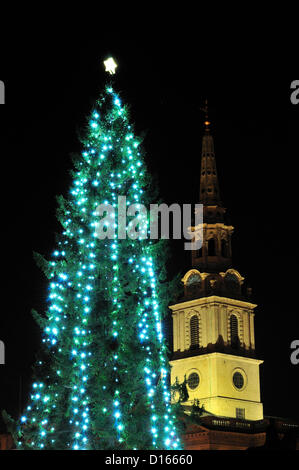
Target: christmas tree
(101, 379)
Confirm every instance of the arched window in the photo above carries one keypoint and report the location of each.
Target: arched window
(193, 285)
(194, 332)
(223, 249)
(232, 282)
(234, 331)
(194, 278)
(211, 247)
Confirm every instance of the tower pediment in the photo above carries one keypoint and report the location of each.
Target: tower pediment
(202, 284)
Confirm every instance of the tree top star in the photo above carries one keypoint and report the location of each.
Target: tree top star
(110, 65)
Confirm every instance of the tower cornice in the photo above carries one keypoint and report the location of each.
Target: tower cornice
(212, 299)
(224, 356)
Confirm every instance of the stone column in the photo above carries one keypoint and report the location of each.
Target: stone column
(175, 331)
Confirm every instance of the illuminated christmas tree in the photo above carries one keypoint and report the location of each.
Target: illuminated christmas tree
(101, 381)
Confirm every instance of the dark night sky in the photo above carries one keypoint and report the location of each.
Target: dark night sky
(51, 83)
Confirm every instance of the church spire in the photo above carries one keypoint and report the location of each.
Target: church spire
(209, 186)
(215, 254)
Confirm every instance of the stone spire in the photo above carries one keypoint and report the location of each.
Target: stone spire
(209, 187)
(215, 254)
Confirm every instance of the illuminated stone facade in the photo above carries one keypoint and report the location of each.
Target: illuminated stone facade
(213, 324)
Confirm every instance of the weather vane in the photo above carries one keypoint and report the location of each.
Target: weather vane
(110, 65)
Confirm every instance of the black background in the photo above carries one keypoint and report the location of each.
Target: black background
(52, 78)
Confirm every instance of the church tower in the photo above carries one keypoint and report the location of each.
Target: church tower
(213, 324)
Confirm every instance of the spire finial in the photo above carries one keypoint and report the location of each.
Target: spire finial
(205, 110)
